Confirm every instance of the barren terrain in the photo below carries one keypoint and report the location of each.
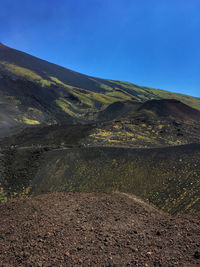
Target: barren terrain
(87, 229)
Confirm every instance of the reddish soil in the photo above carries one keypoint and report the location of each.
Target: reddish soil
(87, 229)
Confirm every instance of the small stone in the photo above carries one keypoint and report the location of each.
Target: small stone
(197, 255)
(67, 253)
(134, 249)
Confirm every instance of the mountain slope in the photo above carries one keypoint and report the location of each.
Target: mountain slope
(34, 91)
(170, 108)
(170, 179)
(154, 123)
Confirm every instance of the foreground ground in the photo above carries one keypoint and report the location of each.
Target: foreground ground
(90, 229)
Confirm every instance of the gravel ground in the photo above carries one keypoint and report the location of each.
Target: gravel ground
(87, 229)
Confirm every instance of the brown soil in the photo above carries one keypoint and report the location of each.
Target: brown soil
(171, 108)
(87, 229)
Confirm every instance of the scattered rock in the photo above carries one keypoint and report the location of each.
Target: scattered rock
(197, 255)
(57, 234)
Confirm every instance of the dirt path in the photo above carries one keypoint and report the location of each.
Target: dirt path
(93, 229)
(139, 201)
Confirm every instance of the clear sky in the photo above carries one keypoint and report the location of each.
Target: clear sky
(148, 42)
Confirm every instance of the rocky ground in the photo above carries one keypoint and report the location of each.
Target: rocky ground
(87, 229)
(142, 132)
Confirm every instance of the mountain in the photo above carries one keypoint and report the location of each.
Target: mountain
(36, 92)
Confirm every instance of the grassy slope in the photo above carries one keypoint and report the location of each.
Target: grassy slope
(72, 94)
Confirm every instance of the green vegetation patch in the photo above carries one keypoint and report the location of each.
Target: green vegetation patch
(106, 87)
(26, 120)
(26, 73)
(35, 111)
(13, 100)
(66, 106)
(29, 121)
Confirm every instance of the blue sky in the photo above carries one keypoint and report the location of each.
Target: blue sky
(148, 42)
